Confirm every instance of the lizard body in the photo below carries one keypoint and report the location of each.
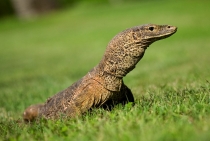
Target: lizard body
(103, 85)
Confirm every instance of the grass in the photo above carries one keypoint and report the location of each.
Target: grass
(171, 84)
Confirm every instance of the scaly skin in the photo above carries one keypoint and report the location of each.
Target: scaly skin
(103, 85)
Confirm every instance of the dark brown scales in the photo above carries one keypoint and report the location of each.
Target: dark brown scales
(103, 86)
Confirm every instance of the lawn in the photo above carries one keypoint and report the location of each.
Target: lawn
(171, 84)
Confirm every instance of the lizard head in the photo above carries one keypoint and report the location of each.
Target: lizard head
(152, 32)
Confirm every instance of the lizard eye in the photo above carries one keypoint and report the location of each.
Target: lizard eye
(151, 28)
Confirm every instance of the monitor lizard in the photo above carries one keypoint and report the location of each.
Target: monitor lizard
(103, 86)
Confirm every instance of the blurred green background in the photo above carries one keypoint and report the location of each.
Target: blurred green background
(24, 7)
(44, 54)
(51, 44)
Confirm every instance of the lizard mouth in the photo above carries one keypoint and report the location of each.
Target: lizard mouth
(171, 31)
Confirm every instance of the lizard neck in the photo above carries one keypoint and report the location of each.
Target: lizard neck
(108, 81)
(118, 61)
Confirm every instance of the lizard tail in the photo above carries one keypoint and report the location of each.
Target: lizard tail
(32, 112)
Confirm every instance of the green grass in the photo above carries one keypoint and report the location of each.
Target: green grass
(171, 84)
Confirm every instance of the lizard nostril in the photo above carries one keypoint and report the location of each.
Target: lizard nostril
(169, 26)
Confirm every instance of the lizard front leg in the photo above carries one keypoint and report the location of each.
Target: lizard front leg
(92, 95)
